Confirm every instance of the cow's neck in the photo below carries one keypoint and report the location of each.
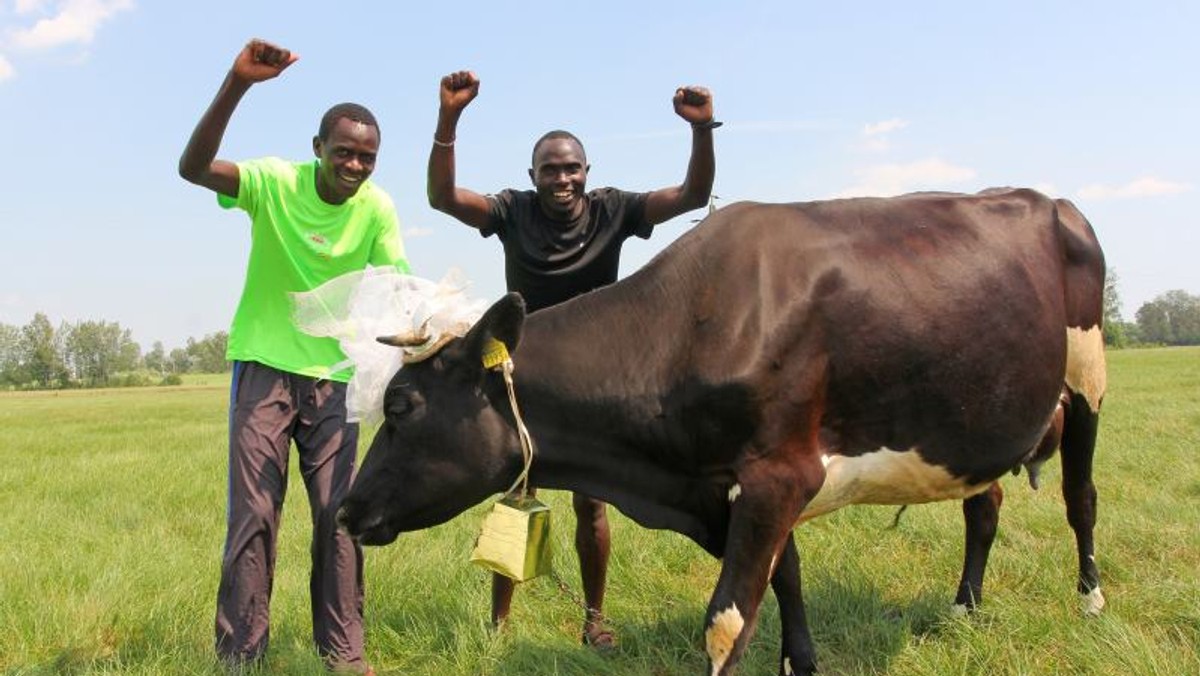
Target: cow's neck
(592, 387)
(583, 396)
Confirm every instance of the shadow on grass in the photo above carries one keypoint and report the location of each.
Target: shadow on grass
(856, 630)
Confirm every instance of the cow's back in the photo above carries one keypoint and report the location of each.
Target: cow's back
(929, 321)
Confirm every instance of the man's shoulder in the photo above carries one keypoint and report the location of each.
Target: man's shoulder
(608, 193)
(512, 204)
(513, 195)
(276, 166)
(260, 172)
(374, 195)
(615, 198)
(260, 176)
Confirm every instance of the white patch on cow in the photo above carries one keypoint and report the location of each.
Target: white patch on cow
(787, 667)
(885, 477)
(1093, 602)
(774, 560)
(734, 492)
(1086, 373)
(959, 610)
(721, 635)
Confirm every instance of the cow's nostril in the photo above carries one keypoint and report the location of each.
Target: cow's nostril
(370, 522)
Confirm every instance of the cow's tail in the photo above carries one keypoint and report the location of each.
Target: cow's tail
(1085, 382)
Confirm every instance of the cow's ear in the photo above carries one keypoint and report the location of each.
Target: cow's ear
(502, 322)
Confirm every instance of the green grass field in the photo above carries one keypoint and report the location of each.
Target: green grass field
(112, 521)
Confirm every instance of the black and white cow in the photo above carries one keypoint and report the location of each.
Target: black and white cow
(776, 363)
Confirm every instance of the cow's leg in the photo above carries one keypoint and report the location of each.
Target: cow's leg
(981, 514)
(733, 609)
(798, 655)
(766, 504)
(1079, 493)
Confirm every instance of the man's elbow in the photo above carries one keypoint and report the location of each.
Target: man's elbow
(438, 200)
(696, 199)
(189, 173)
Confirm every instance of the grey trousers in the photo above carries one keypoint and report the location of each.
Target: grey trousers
(269, 409)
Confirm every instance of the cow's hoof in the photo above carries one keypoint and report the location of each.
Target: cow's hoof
(1093, 602)
(960, 610)
(787, 669)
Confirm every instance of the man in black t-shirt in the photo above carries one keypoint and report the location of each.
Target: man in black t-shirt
(559, 242)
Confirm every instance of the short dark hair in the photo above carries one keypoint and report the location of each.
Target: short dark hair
(553, 135)
(350, 111)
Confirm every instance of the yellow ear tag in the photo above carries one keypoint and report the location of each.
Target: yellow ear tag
(495, 353)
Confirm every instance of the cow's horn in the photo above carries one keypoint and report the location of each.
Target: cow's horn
(408, 338)
(425, 353)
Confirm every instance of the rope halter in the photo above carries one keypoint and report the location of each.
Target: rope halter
(495, 355)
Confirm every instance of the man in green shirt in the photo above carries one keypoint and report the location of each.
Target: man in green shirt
(310, 222)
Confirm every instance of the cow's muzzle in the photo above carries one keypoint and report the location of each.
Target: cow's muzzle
(366, 530)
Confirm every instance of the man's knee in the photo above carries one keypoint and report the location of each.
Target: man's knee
(588, 509)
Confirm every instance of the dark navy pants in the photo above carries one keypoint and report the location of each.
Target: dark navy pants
(269, 409)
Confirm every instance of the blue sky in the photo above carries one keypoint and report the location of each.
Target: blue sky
(1095, 101)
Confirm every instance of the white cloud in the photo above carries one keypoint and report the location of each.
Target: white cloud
(28, 6)
(6, 69)
(1047, 189)
(875, 144)
(894, 179)
(885, 127)
(75, 21)
(1147, 186)
(875, 135)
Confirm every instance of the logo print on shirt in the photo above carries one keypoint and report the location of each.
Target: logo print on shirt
(319, 245)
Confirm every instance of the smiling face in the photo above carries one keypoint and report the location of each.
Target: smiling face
(347, 159)
(559, 176)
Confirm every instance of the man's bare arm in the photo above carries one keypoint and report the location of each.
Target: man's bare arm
(693, 104)
(258, 61)
(457, 90)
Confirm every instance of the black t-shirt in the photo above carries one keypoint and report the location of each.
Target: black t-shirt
(549, 261)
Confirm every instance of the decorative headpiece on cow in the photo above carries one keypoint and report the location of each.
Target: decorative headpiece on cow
(357, 307)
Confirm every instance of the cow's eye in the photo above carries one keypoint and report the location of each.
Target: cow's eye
(398, 404)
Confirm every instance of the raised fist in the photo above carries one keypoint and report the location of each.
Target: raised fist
(260, 60)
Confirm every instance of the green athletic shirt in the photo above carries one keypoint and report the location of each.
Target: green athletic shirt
(298, 242)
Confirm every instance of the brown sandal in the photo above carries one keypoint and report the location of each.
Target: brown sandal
(599, 638)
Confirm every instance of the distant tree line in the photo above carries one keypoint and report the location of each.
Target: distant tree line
(1172, 318)
(102, 354)
(98, 354)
